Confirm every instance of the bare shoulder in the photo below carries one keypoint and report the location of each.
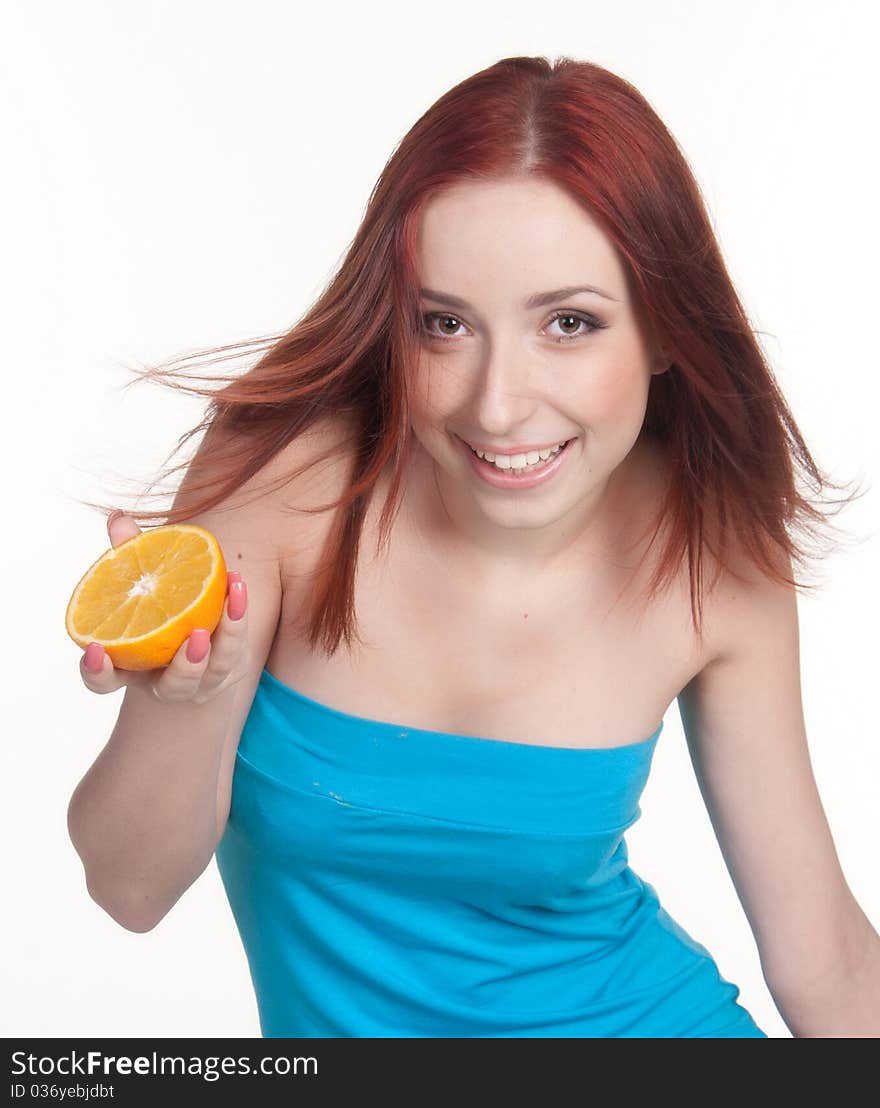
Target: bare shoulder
(314, 470)
(748, 609)
(299, 476)
(742, 602)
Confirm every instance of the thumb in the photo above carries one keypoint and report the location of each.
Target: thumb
(121, 527)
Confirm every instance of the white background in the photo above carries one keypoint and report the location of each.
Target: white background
(187, 174)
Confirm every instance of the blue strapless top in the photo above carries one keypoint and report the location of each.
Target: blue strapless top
(388, 881)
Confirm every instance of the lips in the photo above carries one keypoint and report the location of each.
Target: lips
(524, 465)
(510, 481)
(511, 450)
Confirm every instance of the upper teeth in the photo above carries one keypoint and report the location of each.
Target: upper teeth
(517, 461)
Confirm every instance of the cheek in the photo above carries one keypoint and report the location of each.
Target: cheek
(616, 391)
(436, 389)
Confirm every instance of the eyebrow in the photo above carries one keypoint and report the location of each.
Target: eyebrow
(539, 300)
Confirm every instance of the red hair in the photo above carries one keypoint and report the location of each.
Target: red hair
(733, 444)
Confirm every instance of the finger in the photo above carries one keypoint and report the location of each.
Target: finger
(180, 679)
(229, 642)
(107, 678)
(121, 528)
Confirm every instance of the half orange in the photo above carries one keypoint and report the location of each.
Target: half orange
(140, 600)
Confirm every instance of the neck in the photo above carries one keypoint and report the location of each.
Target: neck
(448, 519)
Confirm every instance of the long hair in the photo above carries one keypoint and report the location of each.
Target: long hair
(734, 448)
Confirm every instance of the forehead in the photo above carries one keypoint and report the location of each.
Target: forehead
(522, 234)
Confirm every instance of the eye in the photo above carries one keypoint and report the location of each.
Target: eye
(428, 317)
(589, 322)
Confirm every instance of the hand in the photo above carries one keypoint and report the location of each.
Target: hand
(182, 681)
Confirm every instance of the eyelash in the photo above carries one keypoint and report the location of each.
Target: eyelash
(593, 323)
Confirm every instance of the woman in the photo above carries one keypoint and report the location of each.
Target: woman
(543, 413)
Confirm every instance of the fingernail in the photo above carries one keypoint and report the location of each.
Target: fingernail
(232, 577)
(94, 661)
(199, 641)
(114, 515)
(237, 600)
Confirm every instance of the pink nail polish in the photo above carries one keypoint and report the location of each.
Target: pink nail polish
(237, 600)
(94, 661)
(197, 648)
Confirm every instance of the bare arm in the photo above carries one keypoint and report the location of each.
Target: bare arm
(745, 728)
(145, 818)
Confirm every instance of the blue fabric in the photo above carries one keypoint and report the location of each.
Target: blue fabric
(397, 882)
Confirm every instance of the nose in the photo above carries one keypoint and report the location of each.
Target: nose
(504, 391)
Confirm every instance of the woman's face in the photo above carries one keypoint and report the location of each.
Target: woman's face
(499, 373)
